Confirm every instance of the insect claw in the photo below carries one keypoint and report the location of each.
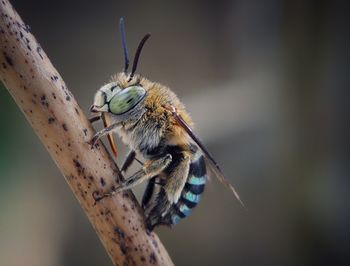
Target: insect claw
(97, 197)
(93, 142)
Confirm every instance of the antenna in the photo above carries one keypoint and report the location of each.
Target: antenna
(137, 55)
(125, 45)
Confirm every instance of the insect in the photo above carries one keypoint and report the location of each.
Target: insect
(154, 123)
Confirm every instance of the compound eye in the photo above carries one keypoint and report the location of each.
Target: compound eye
(99, 99)
(126, 99)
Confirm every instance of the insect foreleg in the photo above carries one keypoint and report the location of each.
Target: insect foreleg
(148, 171)
(103, 132)
(94, 118)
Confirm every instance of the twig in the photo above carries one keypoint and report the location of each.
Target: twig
(54, 114)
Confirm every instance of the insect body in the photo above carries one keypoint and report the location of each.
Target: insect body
(153, 122)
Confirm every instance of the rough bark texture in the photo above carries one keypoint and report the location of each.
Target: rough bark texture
(54, 114)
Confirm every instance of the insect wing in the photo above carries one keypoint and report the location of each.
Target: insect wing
(212, 163)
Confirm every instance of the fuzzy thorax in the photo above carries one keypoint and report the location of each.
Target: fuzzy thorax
(155, 124)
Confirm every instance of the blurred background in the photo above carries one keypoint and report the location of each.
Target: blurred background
(266, 83)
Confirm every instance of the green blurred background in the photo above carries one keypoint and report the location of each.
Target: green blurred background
(266, 83)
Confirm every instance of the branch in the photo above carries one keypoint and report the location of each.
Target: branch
(61, 125)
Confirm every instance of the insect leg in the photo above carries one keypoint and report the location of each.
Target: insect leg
(177, 179)
(103, 132)
(148, 192)
(148, 171)
(128, 161)
(158, 207)
(94, 118)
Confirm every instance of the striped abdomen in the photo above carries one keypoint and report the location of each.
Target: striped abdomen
(192, 191)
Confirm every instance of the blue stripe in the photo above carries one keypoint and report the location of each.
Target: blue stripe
(193, 180)
(175, 219)
(192, 197)
(185, 210)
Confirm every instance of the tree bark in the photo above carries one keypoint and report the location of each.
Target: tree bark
(61, 125)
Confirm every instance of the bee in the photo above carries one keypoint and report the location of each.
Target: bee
(153, 122)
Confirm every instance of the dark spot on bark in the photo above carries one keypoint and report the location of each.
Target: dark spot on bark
(154, 242)
(44, 101)
(4, 65)
(123, 247)
(27, 28)
(108, 212)
(143, 259)
(29, 48)
(102, 181)
(27, 40)
(91, 177)
(8, 59)
(68, 98)
(51, 120)
(125, 208)
(85, 131)
(78, 166)
(68, 144)
(152, 258)
(65, 127)
(119, 232)
(38, 50)
(76, 110)
(54, 95)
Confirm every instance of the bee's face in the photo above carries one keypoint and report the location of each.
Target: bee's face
(118, 101)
